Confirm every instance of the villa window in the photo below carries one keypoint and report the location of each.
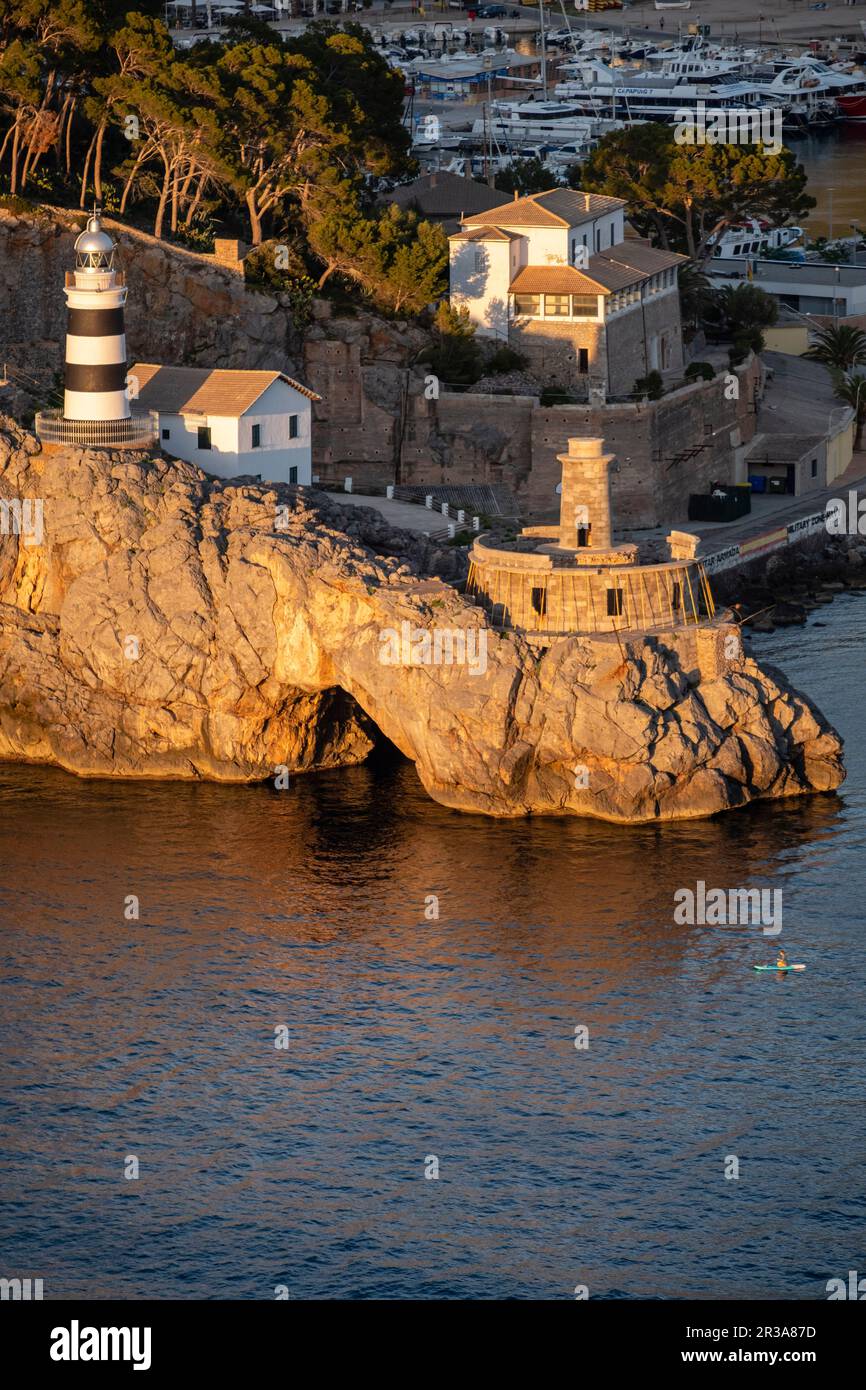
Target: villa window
(166, 434)
(257, 437)
(676, 597)
(293, 474)
(204, 437)
(538, 599)
(557, 305)
(293, 427)
(527, 304)
(584, 306)
(614, 603)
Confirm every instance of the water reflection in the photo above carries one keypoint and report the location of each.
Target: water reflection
(409, 1037)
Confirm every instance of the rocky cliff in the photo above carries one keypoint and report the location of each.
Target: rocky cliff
(164, 624)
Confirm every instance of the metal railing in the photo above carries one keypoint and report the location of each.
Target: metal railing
(135, 432)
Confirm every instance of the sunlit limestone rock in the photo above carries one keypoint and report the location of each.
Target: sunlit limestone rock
(169, 625)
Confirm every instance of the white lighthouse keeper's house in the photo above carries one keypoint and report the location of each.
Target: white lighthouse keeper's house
(96, 407)
(231, 423)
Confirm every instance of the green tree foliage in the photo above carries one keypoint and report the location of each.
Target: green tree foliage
(456, 358)
(286, 136)
(840, 346)
(652, 385)
(396, 258)
(524, 176)
(705, 370)
(696, 295)
(742, 312)
(850, 388)
(689, 194)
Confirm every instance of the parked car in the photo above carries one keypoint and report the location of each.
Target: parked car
(492, 12)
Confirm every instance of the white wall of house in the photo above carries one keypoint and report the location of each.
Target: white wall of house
(480, 277)
(231, 437)
(482, 271)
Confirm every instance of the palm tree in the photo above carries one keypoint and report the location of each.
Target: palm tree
(851, 390)
(745, 308)
(695, 294)
(839, 347)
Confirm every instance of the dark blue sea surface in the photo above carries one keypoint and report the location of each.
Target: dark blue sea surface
(412, 1038)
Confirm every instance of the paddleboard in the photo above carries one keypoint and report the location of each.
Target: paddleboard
(778, 967)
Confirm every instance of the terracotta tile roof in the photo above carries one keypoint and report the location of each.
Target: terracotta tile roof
(639, 255)
(204, 391)
(554, 279)
(613, 275)
(484, 234)
(558, 207)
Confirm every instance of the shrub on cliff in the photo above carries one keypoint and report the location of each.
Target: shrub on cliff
(456, 357)
(505, 359)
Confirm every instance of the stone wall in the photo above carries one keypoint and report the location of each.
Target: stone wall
(619, 350)
(653, 442)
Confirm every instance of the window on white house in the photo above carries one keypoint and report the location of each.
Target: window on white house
(584, 306)
(293, 427)
(257, 437)
(557, 305)
(527, 304)
(166, 433)
(293, 474)
(204, 437)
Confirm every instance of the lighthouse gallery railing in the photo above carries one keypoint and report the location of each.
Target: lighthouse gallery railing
(136, 431)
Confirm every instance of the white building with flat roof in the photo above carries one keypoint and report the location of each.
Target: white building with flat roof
(230, 423)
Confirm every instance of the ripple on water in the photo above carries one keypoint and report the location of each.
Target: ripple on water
(411, 1038)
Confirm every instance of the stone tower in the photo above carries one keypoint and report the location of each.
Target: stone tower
(585, 517)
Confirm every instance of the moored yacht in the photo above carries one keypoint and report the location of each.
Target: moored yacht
(595, 89)
(754, 236)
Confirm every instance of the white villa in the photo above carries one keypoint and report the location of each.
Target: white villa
(230, 422)
(555, 275)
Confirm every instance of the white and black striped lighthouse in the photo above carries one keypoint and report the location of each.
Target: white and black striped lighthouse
(96, 410)
(95, 377)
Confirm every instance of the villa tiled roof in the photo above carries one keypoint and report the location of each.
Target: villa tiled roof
(640, 256)
(558, 207)
(613, 275)
(484, 234)
(554, 279)
(627, 263)
(204, 391)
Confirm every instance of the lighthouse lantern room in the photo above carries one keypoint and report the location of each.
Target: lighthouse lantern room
(96, 402)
